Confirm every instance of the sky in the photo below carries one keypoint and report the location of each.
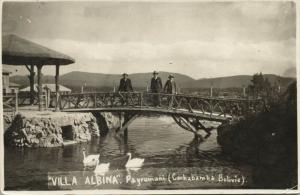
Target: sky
(199, 39)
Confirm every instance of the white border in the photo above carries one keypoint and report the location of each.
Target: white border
(206, 191)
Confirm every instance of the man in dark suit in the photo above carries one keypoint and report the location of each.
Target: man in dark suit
(125, 84)
(156, 87)
(170, 86)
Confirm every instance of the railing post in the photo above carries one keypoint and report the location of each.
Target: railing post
(141, 99)
(95, 100)
(46, 100)
(16, 102)
(172, 101)
(58, 102)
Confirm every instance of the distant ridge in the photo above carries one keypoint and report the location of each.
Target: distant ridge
(235, 81)
(141, 80)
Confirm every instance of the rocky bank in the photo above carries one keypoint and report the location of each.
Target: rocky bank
(51, 129)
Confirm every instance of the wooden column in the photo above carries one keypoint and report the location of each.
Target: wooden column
(57, 88)
(40, 87)
(128, 119)
(126, 122)
(32, 84)
(17, 102)
(31, 81)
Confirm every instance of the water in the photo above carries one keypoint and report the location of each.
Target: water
(168, 150)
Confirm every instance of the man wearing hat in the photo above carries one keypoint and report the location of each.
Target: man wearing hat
(125, 84)
(170, 86)
(156, 87)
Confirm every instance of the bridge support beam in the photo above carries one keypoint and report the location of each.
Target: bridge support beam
(193, 125)
(125, 120)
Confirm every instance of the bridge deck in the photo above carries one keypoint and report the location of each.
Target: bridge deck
(209, 108)
(142, 110)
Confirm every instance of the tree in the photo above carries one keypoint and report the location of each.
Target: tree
(260, 86)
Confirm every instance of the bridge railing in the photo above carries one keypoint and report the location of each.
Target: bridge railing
(12, 102)
(175, 102)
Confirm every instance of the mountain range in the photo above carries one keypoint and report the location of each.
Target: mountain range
(141, 80)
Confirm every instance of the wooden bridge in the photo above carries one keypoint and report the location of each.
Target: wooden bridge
(186, 110)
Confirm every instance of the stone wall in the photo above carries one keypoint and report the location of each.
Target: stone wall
(107, 121)
(45, 129)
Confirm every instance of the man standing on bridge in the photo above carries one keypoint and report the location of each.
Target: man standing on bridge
(125, 86)
(156, 87)
(170, 88)
(170, 85)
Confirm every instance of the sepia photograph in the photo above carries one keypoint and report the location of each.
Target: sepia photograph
(149, 95)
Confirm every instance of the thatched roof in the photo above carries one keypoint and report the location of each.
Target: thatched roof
(5, 71)
(19, 51)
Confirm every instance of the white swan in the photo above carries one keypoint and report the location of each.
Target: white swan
(135, 162)
(101, 169)
(128, 169)
(90, 160)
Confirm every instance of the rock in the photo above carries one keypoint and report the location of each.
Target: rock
(39, 131)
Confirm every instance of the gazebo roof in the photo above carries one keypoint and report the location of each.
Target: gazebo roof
(5, 71)
(19, 51)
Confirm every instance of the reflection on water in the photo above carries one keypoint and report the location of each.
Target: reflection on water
(159, 141)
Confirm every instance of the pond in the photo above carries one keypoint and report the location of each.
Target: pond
(173, 160)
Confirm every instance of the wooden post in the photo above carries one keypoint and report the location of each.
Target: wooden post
(141, 99)
(40, 90)
(126, 122)
(31, 81)
(17, 102)
(32, 84)
(46, 99)
(120, 120)
(95, 100)
(56, 88)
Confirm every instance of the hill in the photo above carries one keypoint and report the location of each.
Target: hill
(141, 80)
(234, 81)
(99, 80)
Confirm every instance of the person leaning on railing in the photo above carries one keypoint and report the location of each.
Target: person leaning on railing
(125, 86)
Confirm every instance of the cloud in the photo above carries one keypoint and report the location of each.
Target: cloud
(212, 57)
(263, 10)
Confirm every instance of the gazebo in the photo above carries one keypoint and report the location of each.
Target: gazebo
(21, 52)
